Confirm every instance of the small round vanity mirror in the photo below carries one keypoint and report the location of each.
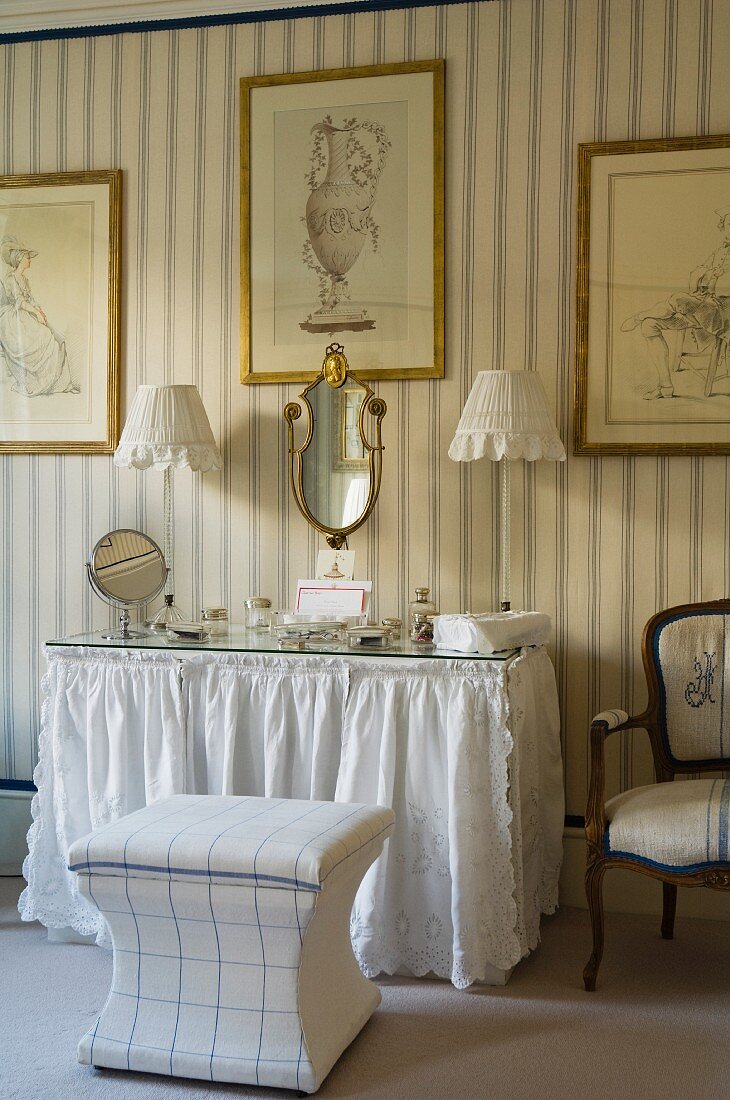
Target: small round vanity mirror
(335, 473)
(126, 568)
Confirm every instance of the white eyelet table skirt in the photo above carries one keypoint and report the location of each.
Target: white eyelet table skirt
(467, 753)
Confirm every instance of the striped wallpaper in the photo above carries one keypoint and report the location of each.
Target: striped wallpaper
(599, 543)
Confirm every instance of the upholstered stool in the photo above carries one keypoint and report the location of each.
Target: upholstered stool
(230, 926)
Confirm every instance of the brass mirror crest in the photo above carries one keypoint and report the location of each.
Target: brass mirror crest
(335, 372)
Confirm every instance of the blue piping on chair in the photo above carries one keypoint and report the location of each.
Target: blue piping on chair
(688, 868)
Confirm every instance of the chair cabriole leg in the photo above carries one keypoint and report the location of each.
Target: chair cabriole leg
(594, 893)
(669, 891)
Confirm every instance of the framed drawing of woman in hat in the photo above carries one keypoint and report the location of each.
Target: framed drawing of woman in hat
(59, 312)
(34, 353)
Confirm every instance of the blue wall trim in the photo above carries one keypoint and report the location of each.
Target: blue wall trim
(225, 19)
(17, 785)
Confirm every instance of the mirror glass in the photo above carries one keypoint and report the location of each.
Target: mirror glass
(127, 567)
(335, 468)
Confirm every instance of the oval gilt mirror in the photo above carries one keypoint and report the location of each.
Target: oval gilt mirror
(336, 472)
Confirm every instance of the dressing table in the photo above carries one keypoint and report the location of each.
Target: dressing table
(464, 748)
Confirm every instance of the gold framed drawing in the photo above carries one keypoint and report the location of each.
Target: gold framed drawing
(59, 312)
(653, 297)
(342, 211)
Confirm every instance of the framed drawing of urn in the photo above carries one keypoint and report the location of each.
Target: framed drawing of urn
(342, 221)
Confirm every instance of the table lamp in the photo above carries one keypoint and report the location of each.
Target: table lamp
(167, 427)
(506, 416)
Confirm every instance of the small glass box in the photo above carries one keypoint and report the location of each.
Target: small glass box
(368, 637)
(188, 632)
(289, 618)
(325, 633)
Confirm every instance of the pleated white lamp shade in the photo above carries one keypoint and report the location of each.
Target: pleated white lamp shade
(167, 427)
(506, 415)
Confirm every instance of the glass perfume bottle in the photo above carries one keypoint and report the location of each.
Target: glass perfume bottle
(420, 606)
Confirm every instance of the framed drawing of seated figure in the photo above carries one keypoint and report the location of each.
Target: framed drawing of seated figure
(653, 335)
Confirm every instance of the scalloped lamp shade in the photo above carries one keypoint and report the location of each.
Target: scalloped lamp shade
(506, 415)
(167, 427)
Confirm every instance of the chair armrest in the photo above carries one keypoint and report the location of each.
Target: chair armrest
(612, 720)
(604, 724)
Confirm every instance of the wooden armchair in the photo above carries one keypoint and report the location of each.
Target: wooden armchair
(676, 832)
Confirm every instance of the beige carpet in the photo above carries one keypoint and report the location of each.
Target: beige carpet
(657, 1027)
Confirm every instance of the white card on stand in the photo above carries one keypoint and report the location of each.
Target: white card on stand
(333, 598)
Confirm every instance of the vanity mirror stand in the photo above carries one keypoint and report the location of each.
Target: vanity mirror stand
(126, 569)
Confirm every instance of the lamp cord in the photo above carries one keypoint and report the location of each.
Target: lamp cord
(505, 471)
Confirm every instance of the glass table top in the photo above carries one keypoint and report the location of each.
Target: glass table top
(241, 640)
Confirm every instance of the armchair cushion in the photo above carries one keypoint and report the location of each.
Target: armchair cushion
(679, 826)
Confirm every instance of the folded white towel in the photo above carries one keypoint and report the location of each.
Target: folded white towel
(491, 633)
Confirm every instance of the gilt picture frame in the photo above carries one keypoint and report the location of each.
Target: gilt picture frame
(653, 297)
(60, 238)
(342, 213)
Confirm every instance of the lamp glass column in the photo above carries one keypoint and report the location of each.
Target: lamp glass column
(506, 416)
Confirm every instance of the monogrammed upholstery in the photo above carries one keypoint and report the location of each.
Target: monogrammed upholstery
(693, 663)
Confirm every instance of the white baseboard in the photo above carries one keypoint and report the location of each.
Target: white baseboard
(15, 820)
(629, 892)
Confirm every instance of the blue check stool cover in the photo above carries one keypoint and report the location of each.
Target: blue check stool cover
(229, 920)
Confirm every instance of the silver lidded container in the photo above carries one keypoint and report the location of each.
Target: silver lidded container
(256, 613)
(394, 627)
(215, 620)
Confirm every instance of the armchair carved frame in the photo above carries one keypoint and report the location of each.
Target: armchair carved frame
(666, 767)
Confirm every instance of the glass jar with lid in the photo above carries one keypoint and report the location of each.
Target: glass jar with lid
(256, 613)
(215, 620)
(422, 630)
(420, 606)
